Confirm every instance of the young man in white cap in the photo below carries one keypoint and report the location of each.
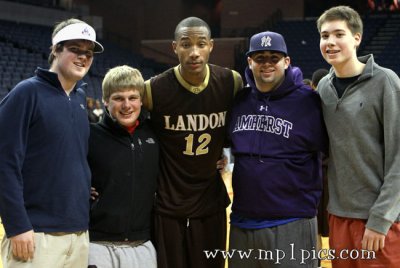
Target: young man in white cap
(277, 134)
(44, 174)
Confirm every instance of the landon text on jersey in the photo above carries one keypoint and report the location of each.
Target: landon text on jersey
(195, 122)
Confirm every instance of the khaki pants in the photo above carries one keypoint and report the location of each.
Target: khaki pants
(55, 250)
(1, 237)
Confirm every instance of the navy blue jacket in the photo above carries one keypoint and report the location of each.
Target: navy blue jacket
(44, 174)
(276, 140)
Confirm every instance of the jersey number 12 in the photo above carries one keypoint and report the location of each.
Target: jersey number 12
(202, 148)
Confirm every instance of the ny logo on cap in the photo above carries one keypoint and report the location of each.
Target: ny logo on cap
(266, 41)
(86, 31)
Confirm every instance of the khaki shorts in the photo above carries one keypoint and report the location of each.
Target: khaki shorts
(69, 250)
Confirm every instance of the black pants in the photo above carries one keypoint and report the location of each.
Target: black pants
(181, 243)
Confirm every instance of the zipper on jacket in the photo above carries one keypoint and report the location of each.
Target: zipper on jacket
(338, 100)
(140, 144)
(132, 174)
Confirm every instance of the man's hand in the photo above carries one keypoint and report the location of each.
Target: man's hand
(93, 193)
(23, 245)
(221, 164)
(372, 240)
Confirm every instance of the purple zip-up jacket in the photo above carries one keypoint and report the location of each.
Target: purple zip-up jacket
(277, 139)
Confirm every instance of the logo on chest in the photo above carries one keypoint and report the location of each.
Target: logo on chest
(194, 122)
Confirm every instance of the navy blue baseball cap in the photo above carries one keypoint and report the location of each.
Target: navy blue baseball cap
(267, 41)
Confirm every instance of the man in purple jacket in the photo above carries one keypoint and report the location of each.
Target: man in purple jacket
(277, 135)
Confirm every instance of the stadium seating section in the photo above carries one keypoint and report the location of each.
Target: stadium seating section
(23, 47)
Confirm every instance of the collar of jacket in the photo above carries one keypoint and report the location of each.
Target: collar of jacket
(109, 122)
(368, 71)
(52, 78)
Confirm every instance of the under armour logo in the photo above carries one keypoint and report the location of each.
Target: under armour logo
(86, 31)
(263, 108)
(266, 41)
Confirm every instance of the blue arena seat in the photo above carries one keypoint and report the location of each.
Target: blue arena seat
(28, 47)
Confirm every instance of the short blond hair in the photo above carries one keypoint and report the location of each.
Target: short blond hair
(122, 78)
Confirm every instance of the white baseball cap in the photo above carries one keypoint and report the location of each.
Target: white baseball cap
(78, 31)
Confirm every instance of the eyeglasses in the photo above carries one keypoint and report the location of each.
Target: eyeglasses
(78, 51)
(274, 59)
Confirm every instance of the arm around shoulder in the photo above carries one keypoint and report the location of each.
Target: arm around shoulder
(238, 81)
(147, 96)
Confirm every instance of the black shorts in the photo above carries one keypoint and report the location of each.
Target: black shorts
(185, 243)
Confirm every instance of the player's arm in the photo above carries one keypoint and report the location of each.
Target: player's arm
(238, 82)
(147, 96)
